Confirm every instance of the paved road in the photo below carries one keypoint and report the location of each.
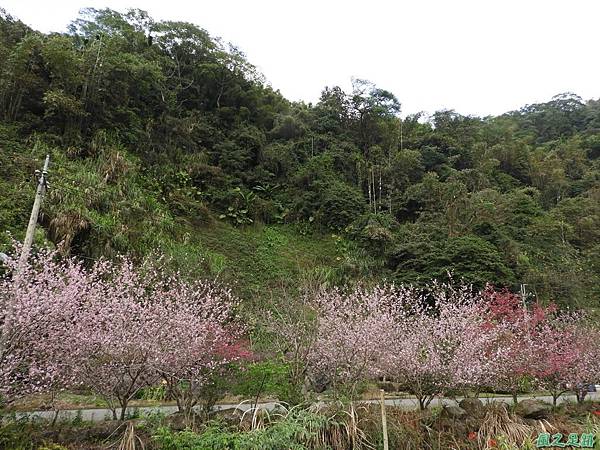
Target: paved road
(100, 414)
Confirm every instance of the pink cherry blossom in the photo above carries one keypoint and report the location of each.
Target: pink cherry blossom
(112, 328)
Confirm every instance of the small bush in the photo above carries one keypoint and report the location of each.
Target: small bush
(16, 435)
(280, 436)
(267, 378)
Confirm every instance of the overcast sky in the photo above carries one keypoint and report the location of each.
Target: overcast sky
(475, 56)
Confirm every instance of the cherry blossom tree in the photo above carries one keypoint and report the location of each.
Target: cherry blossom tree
(113, 328)
(438, 342)
(584, 359)
(38, 302)
(538, 345)
(431, 340)
(473, 361)
(515, 338)
(142, 325)
(446, 338)
(352, 335)
(115, 340)
(557, 352)
(198, 339)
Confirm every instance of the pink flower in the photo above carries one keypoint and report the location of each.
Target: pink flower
(113, 328)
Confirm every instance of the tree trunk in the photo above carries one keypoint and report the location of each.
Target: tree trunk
(374, 192)
(55, 417)
(188, 415)
(123, 410)
(581, 392)
(259, 391)
(369, 189)
(380, 186)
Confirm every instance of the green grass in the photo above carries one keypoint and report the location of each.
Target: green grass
(260, 259)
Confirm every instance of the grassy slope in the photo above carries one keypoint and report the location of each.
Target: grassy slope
(260, 259)
(108, 205)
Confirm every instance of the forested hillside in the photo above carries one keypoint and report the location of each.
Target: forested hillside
(164, 137)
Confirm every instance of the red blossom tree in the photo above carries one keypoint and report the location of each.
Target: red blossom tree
(537, 344)
(557, 350)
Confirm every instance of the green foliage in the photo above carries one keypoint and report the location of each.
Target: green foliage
(337, 427)
(280, 436)
(154, 393)
(424, 256)
(378, 231)
(238, 213)
(16, 435)
(258, 257)
(297, 428)
(270, 378)
(52, 446)
(163, 137)
(340, 205)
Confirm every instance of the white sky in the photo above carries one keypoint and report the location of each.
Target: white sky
(476, 56)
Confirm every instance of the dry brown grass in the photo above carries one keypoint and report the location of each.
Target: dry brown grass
(337, 427)
(65, 227)
(130, 440)
(498, 421)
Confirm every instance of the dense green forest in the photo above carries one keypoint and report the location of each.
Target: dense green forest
(164, 137)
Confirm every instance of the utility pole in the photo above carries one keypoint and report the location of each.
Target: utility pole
(35, 211)
(37, 203)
